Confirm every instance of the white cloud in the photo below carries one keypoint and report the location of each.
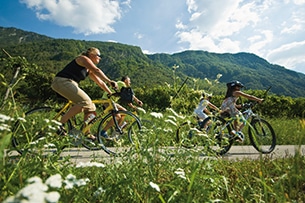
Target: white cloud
(264, 39)
(299, 2)
(271, 29)
(290, 55)
(212, 23)
(138, 35)
(88, 17)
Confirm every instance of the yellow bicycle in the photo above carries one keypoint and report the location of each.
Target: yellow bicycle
(36, 131)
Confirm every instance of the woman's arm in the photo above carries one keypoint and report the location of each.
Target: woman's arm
(248, 96)
(93, 69)
(100, 83)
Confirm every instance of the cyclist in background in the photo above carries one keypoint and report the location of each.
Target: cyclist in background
(127, 83)
(229, 106)
(66, 83)
(124, 83)
(202, 111)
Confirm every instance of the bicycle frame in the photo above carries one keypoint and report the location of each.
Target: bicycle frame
(247, 114)
(110, 106)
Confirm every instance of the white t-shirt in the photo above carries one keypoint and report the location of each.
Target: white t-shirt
(199, 111)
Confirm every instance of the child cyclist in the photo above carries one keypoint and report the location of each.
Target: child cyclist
(229, 106)
(125, 82)
(202, 111)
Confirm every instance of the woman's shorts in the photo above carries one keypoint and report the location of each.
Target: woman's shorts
(70, 90)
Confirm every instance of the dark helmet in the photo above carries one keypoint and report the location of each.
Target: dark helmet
(234, 84)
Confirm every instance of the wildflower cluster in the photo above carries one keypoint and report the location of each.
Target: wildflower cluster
(39, 192)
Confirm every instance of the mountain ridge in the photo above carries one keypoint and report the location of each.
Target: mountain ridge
(147, 69)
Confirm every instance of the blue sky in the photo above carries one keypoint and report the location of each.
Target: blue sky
(271, 29)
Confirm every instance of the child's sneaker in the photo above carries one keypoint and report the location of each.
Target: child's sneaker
(105, 136)
(239, 136)
(123, 124)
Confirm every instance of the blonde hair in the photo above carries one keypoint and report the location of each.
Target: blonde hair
(91, 50)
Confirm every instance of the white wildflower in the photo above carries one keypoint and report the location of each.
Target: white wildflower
(99, 191)
(209, 82)
(170, 121)
(180, 172)
(172, 117)
(168, 130)
(34, 179)
(195, 80)
(175, 113)
(71, 181)
(82, 182)
(54, 181)
(156, 115)
(47, 120)
(56, 122)
(155, 186)
(141, 110)
(21, 119)
(34, 192)
(52, 197)
(89, 164)
(4, 118)
(5, 127)
(168, 85)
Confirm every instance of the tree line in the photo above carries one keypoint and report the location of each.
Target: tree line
(34, 89)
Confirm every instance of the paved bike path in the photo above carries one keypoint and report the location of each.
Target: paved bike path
(78, 155)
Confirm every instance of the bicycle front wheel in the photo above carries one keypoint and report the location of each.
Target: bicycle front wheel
(36, 132)
(142, 137)
(117, 125)
(262, 136)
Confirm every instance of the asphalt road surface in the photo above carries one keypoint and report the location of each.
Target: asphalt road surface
(78, 155)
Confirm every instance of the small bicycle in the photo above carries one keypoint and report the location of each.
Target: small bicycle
(36, 131)
(261, 134)
(216, 135)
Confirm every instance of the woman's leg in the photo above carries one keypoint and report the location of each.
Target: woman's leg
(71, 112)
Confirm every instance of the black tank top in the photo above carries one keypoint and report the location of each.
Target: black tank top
(73, 71)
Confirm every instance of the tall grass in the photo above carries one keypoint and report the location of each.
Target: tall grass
(155, 175)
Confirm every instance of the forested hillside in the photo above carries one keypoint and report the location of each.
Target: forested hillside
(253, 71)
(150, 70)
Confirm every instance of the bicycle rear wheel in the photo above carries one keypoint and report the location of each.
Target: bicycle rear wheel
(119, 143)
(218, 132)
(262, 136)
(189, 136)
(35, 133)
